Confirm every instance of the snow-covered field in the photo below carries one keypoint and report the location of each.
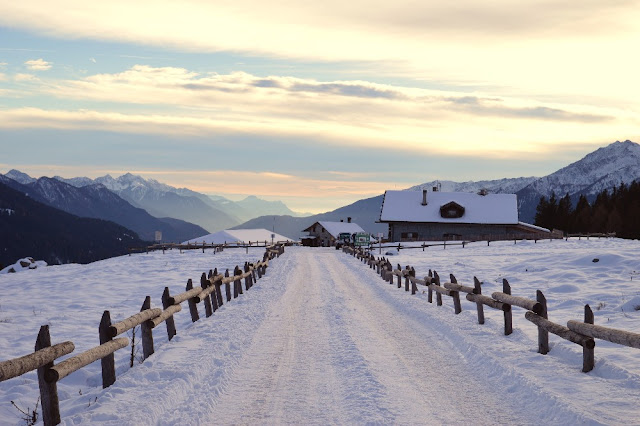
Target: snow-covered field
(322, 339)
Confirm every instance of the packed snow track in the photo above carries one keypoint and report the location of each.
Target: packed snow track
(321, 339)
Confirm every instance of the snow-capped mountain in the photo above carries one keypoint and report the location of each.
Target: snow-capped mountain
(602, 169)
(605, 168)
(19, 177)
(96, 201)
(213, 213)
(499, 186)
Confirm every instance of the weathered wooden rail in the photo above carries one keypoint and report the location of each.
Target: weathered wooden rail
(582, 333)
(209, 292)
(203, 246)
(448, 242)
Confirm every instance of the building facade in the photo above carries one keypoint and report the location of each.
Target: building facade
(416, 216)
(325, 233)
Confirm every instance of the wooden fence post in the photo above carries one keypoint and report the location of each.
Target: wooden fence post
(400, 276)
(406, 275)
(218, 291)
(254, 276)
(478, 290)
(247, 279)
(588, 354)
(170, 322)
(456, 295)
(414, 286)
(213, 295)
(146, 332)
(108, 362)
(227, 286)
(508, 317)
(193, 307)
(48, 391)
(204, 283)
(238, 272)
(430, 292)
(543, 335)
(438, 295)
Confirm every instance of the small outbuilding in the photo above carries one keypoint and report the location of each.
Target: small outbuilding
(325, 233)
(416, 216)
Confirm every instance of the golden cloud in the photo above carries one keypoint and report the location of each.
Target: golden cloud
(38, 65)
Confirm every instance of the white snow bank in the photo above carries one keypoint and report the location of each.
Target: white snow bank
(239, 236)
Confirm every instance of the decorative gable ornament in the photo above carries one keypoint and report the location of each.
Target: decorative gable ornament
(451, 210)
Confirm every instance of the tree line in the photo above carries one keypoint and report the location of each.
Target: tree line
(616, 211)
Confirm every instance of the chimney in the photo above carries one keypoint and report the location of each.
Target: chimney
(348, 220)
(424, 197)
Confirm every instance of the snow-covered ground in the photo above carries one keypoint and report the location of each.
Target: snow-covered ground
(322, 339)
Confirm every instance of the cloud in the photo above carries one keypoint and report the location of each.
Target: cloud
(93, 60)
(20, 77)
(531, 46)
(3, 77)
(38, 65)
(355, 113)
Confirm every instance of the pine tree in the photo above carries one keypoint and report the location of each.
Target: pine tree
(581, 216)
(563, 214)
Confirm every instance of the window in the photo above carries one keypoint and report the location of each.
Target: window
(409, 236)
(451, 210)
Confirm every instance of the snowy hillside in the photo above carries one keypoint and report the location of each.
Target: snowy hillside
(321, 339)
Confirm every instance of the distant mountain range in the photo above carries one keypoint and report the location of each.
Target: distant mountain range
(146, 205)
(96, 201)
(602, 169)
(211, 213)
(31, 228)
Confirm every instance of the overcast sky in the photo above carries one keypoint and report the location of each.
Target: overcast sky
(317, 104)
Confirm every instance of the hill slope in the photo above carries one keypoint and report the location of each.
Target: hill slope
(363, 212)
(30, 228)
(96, 201)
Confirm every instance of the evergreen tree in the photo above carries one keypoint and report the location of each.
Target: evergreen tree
(581, 218)
(546, 212)
(563, 214)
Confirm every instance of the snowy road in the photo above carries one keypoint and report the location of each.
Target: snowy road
(332, 350)
(320, 340)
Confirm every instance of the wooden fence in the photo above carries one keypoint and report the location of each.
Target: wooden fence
(582, 333)
(203, 246)
(210, 292)
(464, 242)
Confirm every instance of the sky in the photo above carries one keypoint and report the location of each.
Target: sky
(317, 105)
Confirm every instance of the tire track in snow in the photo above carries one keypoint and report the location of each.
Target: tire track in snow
(301, 367)
(331, 350)
(426, 379)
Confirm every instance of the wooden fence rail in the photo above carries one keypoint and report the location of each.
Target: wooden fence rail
(581, 333)
(42, 359)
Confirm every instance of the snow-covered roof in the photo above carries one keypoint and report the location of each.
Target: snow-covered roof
(406, 206)
(231, 236)
(534, 227)
(337, 228)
